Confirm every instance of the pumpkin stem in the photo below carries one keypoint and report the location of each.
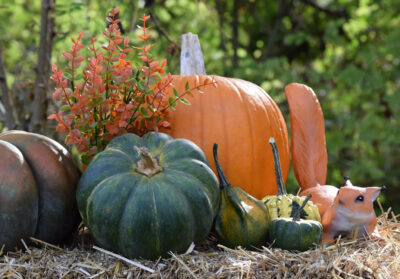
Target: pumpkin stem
(192, 62)
(296, 215)
(278, 170)
(147, 165)
(223, 182)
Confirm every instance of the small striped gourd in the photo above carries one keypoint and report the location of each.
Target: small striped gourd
(294, 233)
(284, 204)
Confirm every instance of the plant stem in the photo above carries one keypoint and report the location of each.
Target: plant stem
(223, 182)
(278, 170)
(147, 165)
(296, 215)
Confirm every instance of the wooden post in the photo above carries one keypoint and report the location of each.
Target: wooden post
(192, 62)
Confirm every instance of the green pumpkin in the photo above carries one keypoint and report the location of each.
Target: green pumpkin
(241, 220)
(146, 196)
(294, 233)
(284, 204)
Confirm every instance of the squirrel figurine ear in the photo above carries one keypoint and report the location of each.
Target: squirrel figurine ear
(347, 181)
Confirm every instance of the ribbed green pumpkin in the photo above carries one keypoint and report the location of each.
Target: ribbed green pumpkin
(295, 233)
(284, 204)
(146, 196)
(241, 220)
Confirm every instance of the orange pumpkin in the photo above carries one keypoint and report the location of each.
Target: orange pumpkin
(238, 115)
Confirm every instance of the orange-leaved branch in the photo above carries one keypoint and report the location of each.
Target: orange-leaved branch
(110, 95)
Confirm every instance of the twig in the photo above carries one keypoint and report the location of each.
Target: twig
(383, 212)
(162, 31)
(26, 246)
(46, 244)
(183, 264)
(124, 259)
(95, 265)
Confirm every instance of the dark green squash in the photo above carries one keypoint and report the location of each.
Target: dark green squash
(146, 196)
(38, 180)
(294, 233)
(241, 220)
(284, 204)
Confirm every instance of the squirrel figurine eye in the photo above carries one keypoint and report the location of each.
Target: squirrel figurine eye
(360, 198)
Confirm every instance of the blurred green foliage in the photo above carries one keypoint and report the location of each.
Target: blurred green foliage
(347, 51)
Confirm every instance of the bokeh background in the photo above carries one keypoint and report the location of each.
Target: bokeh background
(347, 51)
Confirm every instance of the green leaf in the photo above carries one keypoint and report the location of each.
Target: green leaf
(85, 158)
(65, 108)
(187, 87)
(144, 112)
(68, 75)
(175, 92)
(79, 76)
(140, 86)
(184, 101)
(172, 103)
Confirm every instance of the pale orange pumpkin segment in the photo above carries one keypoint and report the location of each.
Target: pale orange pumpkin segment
(307, 145)
(241, 117)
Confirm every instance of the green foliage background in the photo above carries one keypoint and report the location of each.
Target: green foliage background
(347, 51)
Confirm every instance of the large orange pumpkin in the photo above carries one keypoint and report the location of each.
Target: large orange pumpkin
(238, 115)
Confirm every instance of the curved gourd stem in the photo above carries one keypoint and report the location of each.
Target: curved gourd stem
(223, 182)
(278, 170)
(296, 215)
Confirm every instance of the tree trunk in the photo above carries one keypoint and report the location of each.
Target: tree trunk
(39, 114)
(5, 96)
(235, 32)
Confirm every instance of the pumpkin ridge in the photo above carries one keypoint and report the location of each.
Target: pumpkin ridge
(202, 122)
(116, 150)
(191, 176)
(157, 224)
(252, 131)
(165, 157)
(97, 188)
(208, 188)
(39, 190)
(184, 195)
(225, 116)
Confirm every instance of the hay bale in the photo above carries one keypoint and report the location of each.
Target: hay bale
(363, 258)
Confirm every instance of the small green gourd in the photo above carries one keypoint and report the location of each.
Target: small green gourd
(294, 233)
(241, 219)
(284, 204)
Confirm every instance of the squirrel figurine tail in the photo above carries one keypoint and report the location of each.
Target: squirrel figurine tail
(343, 210)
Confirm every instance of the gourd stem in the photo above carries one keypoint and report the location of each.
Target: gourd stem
(192, 62)
(147, 165)
(223, 182)
(278, 170)
(296, 215)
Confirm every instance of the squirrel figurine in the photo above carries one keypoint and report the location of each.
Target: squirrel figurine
(343, 210)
